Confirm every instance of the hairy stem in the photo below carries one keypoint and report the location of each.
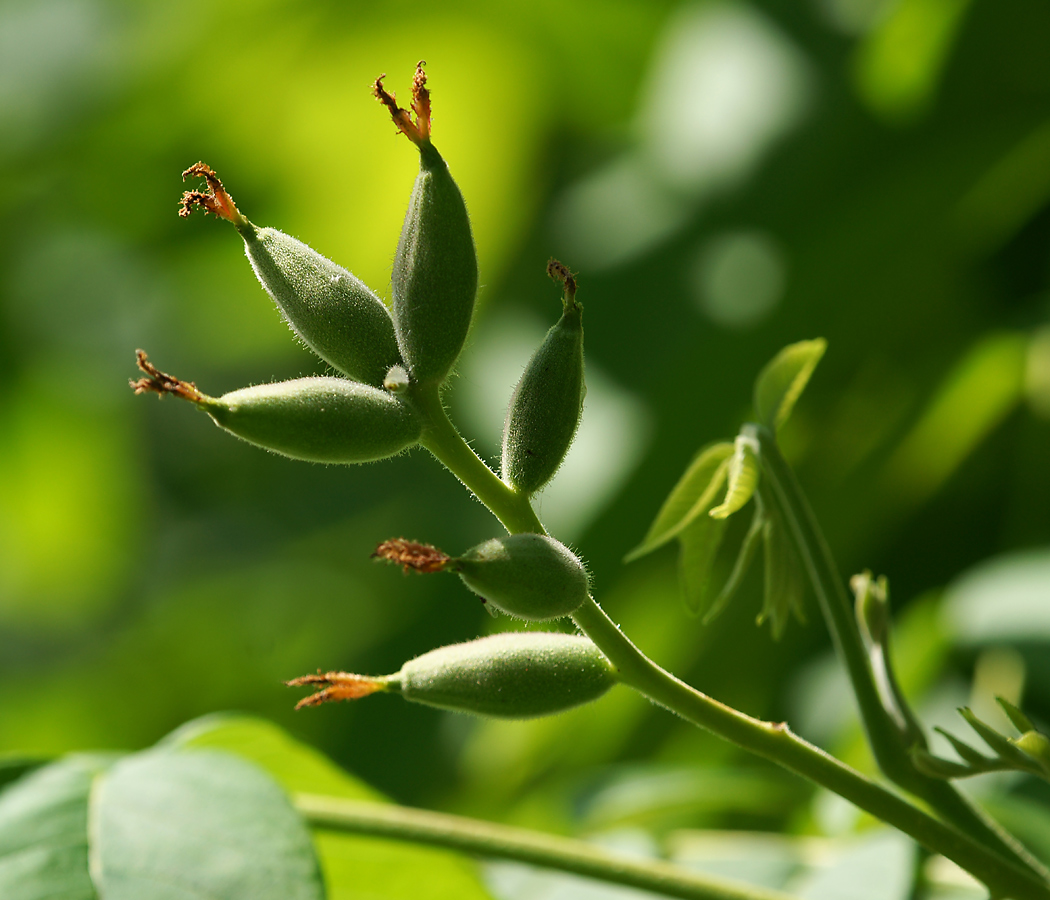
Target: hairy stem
(884, 733)
(442, 439)
(521, 845)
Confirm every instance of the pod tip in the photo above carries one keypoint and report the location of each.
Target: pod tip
(412, 555)
(338, 686)
(416, 130)
(561, 272)
(215, 200)
(158, 382)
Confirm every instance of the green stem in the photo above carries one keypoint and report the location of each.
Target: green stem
(534, 848)
(776, 742)
(442, 439)
(884, 733)
(1006, 877)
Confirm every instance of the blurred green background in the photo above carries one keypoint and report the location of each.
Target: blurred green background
(727, 177)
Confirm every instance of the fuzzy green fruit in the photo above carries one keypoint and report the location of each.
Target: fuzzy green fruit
(334, 313)
(546, 405)
(328, 420)
(530, 576)
(331, 311)
(435, 273)
(516, 675)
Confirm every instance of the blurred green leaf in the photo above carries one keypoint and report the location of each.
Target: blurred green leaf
(15, 766)
(740, 567)
(44, 832)
(699, 543)
(985, 385)
(691, 497)
(354, 867)
(176, 825)
(784, 585)
(1019, 720)
(783, 379)
(899, 65)
(1003, 599)
(880, 866)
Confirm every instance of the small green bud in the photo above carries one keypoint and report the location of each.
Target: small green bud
(872, 606)
(1037, 745)
(530, 576)
(328, 420)
(435, 274)
(331, 311)
(546, 405)
(517, 675)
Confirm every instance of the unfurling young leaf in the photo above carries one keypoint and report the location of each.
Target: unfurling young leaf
(783, 379)
(742, 476)
(690, 498)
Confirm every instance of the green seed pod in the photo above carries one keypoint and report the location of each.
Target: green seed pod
(328, 420)
(546, 405)
(517, 675)
(435, 274)
(331, 311)
(530, 576)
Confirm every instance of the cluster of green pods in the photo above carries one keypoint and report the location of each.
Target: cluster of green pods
(366, 414)
(390, 364)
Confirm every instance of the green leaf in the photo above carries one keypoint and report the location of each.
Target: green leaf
(185, 824)
(354, 866)
(978, 761)
(740, 567)
(691, 497)
(783, 379)
(784, 579)
(742, 476)
(1020, 721)
(44, 832)
(15, 766)
(1001, 745)
(699, 543)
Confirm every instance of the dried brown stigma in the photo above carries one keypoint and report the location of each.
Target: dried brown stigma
(412, 555)
(421, 100)
(418, 130)
(341, 686)
(215, 200)
(158, 382)
(561, 272)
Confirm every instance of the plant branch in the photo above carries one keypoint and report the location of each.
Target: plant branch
(522, 845)
(776, 742)
(884, 733)
(1008, 873)
(442, 439)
